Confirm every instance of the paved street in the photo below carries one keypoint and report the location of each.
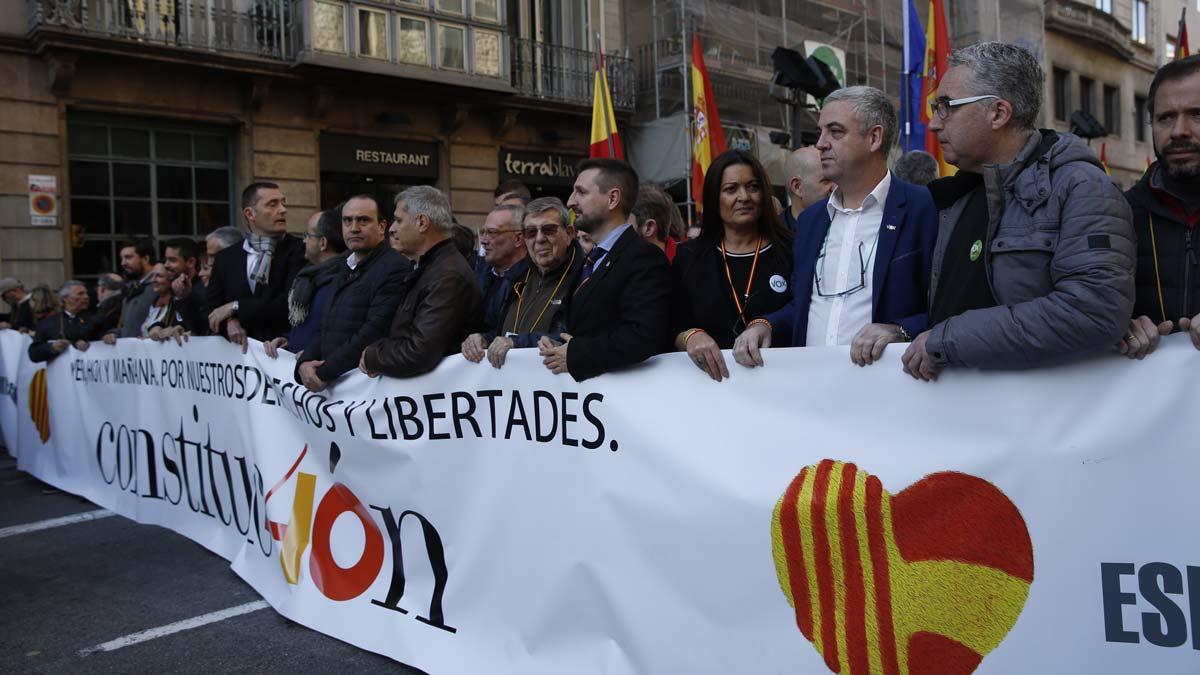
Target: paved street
(106, 595)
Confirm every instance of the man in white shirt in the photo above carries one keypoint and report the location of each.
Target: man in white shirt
(863, 253)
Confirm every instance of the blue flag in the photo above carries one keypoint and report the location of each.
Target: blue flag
(914, 96)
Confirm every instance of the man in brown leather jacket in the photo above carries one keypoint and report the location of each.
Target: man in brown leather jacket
(442, 305)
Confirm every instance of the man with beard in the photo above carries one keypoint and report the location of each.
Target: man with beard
(619, 314)
(181, 257)
(541, 292)
(1166, 210)
(247, 295)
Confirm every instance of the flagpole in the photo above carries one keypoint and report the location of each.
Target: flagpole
(688, 112)
(906, 87)
(608, 124)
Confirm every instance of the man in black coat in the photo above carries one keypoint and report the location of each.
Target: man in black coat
(619, 313)
(363, 300)
(247, 294)
(73, 326)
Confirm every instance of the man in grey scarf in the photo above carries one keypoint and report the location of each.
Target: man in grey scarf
(247, 294)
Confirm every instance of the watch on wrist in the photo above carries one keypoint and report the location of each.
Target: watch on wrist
(904, 336)
(235, 309)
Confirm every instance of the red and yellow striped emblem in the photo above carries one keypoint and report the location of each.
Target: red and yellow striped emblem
(926, 581)
(39, 405)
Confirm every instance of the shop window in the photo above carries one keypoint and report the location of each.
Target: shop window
(372, 34)
(487, 53)
(329, 27)
(451, 47)
(414, 41)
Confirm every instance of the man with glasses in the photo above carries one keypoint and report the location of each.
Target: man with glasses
(539, 298)
(504, 261)
(1034, 258)
(862, 255)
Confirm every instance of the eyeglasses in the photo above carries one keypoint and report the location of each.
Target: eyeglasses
(547, 230)
(942, 106)
(311, 235)
(862, 271)
(488, 234)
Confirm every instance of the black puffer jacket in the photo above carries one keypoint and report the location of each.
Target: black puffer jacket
(1167, 252)
(359, 312)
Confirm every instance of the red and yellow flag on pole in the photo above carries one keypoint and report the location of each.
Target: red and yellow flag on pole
(606, 142)
(1181, 38)
(1104, 158)
(937, 53)
(708, 138)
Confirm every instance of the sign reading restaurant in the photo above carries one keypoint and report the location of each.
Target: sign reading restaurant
(389, 156)
(538, 168)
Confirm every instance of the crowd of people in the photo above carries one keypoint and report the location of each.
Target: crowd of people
(1029, 255)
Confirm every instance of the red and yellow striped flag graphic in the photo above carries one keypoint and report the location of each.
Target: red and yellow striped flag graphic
(39, 405)
(923, 582)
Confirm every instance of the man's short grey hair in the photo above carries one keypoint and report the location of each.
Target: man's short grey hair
(543, 204)
(227, 236)
(430, 201)
(1000, 69)
(872, 107)
(65, 290)
(517, 210)
(916, 167)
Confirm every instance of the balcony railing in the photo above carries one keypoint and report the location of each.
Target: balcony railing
(260, 28)
(565, 75)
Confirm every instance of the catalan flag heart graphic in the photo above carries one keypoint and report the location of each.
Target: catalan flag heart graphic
(923, 582)
(39, 405)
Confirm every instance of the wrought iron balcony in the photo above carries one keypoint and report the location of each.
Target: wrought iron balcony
(254, 28)
(561, 74)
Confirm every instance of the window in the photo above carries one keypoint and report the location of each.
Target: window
(1062, 94)
(1104, 6)
(1141, 118)
(451, 6)
(487, 10)
(486, 57)
(1139, 21)
(132, 178)
(372, 34)
(1087, 94)
(329, 27)
(452, 47)
(1168, 51)
(414, 41)
(1112, 110)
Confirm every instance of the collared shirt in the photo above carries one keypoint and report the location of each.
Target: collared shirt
(608, 243)
(847, 261)
(352, 260)
(252, 258)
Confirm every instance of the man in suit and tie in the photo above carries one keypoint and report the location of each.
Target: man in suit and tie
(618, 315)
(863, 255)
(247, 294)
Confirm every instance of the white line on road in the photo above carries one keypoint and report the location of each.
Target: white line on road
(55, 522)
(178, 626)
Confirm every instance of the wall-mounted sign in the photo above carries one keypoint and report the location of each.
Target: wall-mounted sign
(384, 156)
(43, 200)
(538, 168)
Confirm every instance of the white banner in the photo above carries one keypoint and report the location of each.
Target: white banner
(807, 517)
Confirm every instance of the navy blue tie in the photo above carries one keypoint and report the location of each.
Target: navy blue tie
(589, 264)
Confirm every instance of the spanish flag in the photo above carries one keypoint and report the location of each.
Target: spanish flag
(708, 138)
(1104, 158)
(606, 142)
(937, 53)
(1181, 39)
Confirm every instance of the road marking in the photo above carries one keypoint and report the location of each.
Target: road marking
(55, 522)
(172, 628)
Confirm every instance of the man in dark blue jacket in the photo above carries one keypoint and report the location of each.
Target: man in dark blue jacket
(863, 256)
(363, 299)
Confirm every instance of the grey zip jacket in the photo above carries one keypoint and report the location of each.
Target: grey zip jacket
(1059, 259)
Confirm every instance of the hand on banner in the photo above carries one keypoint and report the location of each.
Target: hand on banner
(554, 354)
(747, 348)
(59, 346)
(237, 334)
(272, 347)
(308, 375)
(362, 365)
(498, 350)
(81, 345)
(110, 338)
(868, 344)
(1192, 326)
(704, 352)
(474, 348)
(1143, 335)
(219, 316)
(917, 361)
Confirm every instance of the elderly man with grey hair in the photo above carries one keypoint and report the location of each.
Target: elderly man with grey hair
(862, 255)
(1035, 251)
(916, 167)
(73, 326)
(442, 304)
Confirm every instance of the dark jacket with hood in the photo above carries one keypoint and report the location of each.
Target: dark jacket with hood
(1168, 277)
